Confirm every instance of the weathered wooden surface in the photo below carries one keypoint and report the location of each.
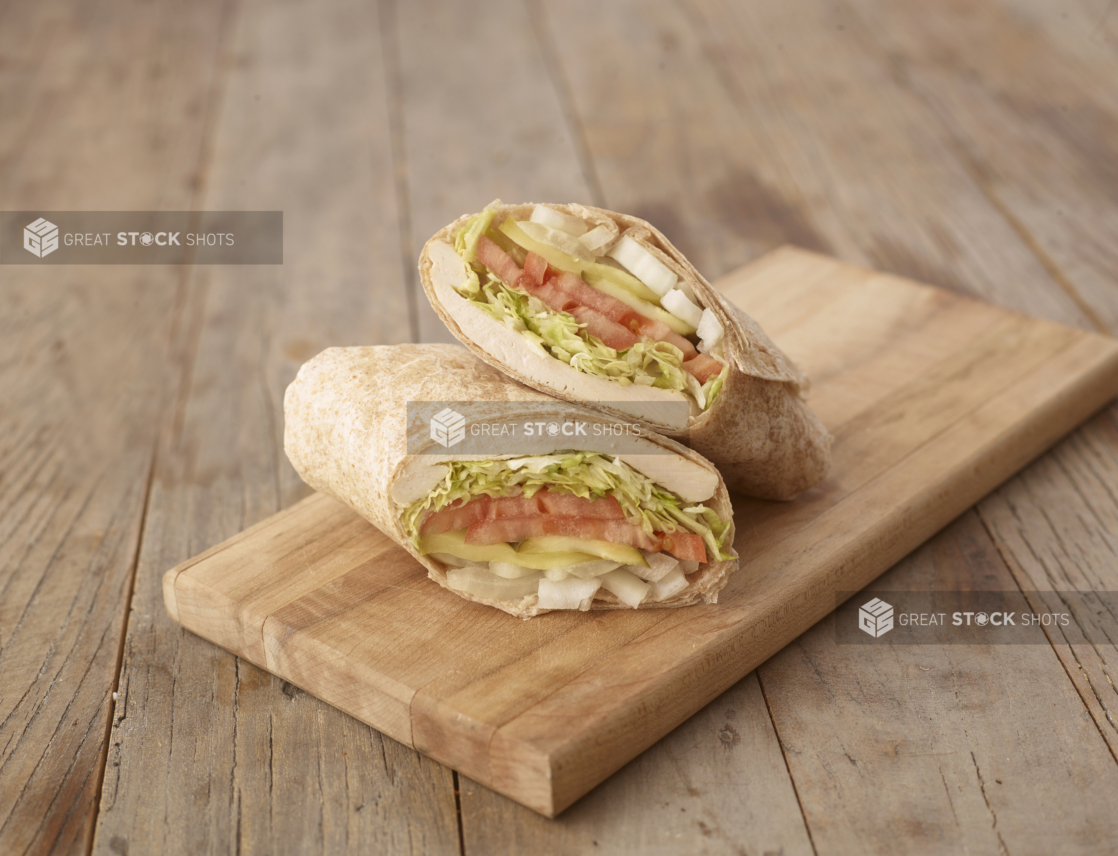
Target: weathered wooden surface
(87, 357)
(465, 142)
(207, 752)
(932, 399)
(969, 144)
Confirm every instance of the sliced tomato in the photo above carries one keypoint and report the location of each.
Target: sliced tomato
(600, 302)
(551, 294)
(614, 323)
(703, 367)
(511, 506)
(569, 505)
(621, 313)
(658, 331)
(685, 545)
(460, 515)
(483, 532)
(611, 334)
(457, 515)
(535, 267)
(498, 261)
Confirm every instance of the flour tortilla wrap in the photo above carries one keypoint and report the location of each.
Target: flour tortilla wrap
(759, 430)
(346, 434)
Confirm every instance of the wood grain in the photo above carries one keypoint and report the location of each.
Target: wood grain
(714, 785)
(87, 356)
(738, 127)
(209, 753)
(464, 145)
(958, 79)
(543, 712)
(964, 143)
(1030, 122)
(949, 748)
(1027, 94)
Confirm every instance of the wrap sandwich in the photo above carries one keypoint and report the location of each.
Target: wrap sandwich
(597, 307)
(586, 518)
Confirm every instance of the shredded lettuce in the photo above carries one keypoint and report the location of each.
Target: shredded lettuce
(714, 384)
(465, 242)
(559, 334)
(584, 474)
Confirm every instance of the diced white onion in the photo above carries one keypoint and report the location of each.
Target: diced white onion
(673, 583)
(510, 571)
(684, 286)
(571, 593)
(558, 220)
(643, 265)
(709, 329)
(596, 239)
(555, 574)
(479, 582)
(629, 590)
(449, 560)
(688, 566)
(588, 570)
(659, 566)
(676, 302)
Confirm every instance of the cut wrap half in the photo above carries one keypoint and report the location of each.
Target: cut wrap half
(597, 307)
(589, 521)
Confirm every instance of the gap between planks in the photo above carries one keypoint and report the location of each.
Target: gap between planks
(397, 136)
(784, 757)
(979, 175)
(1016, 574)
(191, 312)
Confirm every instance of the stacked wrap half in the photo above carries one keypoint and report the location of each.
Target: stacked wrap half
(758, 429)
(347, 435)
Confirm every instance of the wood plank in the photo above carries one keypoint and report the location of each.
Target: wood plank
(905, 465)
(1054, 526)
(1029, 118)
(719, 782)
(1031, 122)
(941, 748)
(738, 127)
(86, 358)
(1086, 30)
(468, 143)
(209, 753)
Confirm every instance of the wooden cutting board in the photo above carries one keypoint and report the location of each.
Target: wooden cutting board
(934, 399)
